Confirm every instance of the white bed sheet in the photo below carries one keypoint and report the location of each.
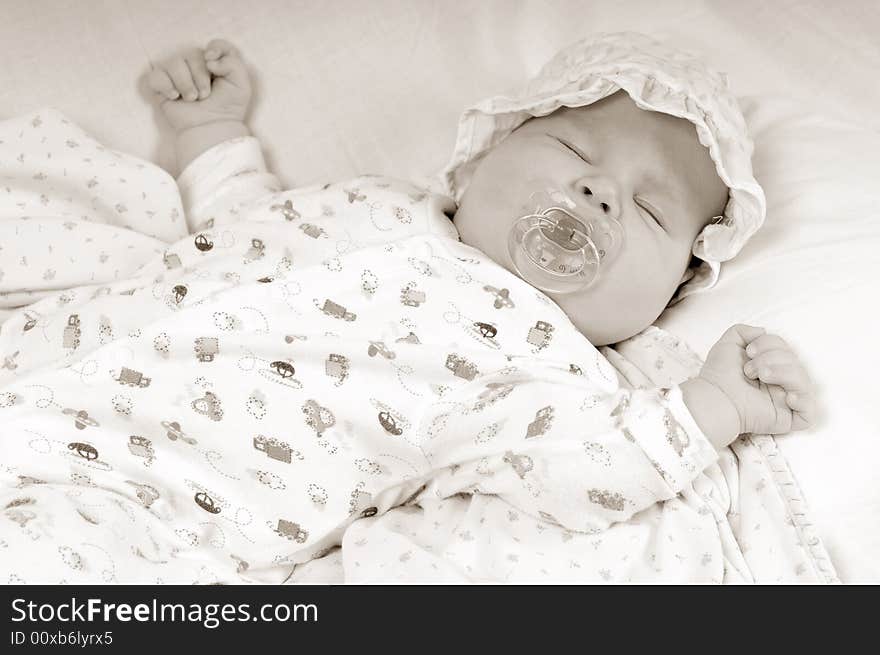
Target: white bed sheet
(812, 275)
(345, 86)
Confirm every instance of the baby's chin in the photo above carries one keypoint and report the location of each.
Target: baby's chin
(602, 323)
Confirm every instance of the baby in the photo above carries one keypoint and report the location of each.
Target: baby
(644, 169)
(343, 365)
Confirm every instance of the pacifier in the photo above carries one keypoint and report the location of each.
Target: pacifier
(561, 245)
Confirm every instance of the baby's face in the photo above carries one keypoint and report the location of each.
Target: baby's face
(646, 169)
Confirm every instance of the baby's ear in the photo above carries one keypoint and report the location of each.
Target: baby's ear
(686, 277)
(693, 265)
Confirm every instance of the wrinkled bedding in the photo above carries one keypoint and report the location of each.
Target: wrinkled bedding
(325, 382)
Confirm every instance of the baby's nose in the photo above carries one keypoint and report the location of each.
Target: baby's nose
(600, 193)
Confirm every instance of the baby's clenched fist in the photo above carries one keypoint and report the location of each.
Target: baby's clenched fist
(202, 86)
(764, 380)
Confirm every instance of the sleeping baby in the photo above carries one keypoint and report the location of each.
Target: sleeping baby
(306, 363)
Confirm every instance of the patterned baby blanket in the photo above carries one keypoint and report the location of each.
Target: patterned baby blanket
(239, 384)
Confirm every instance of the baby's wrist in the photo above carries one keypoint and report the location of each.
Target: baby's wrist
(215, 128)
(712, 410)
(193, 141)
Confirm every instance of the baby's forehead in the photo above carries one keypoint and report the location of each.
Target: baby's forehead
(618, 115)
(617, 120)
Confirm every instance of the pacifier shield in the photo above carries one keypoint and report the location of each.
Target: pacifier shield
(559, 246)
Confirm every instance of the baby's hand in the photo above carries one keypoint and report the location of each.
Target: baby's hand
(763, 379)
(202, 86)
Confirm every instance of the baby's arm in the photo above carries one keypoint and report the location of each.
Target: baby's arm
(195, 140)
(205, 96)
(555, 444)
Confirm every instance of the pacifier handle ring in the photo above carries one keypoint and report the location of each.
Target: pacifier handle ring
(576, 218)
(544, 220)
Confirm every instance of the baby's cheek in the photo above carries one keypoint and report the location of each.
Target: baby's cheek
(487, 236)
(615, 308)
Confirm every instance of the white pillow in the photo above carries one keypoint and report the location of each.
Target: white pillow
(812, 275)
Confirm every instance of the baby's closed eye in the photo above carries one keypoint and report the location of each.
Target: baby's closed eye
(577, 151)
(651, 210)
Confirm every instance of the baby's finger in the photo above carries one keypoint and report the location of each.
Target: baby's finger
(803, 407)
(764, 343)
(790, 377)
(231, 68)
(219, 47)
(768, 359)
(199, 72)
(180, 74)
(160, 83)
(741, 334)
(799, 401)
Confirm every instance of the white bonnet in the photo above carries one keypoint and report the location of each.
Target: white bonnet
(657, 78)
